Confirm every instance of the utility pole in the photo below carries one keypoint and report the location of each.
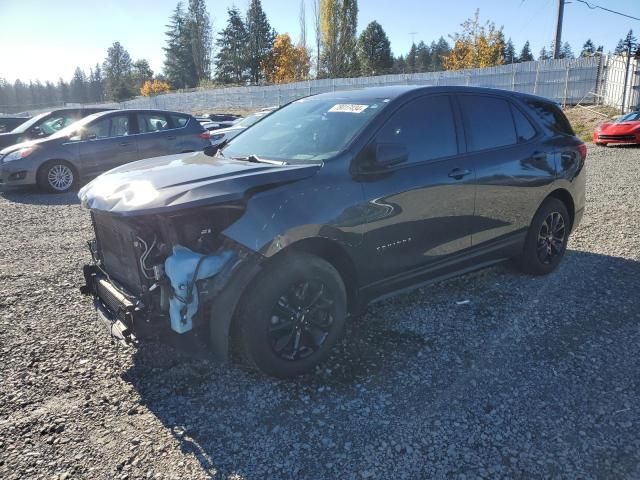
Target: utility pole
(556, 43)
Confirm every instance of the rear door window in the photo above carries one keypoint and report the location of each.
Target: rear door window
(425, 126)
(152, 122)
(551, 116)
(488, 122)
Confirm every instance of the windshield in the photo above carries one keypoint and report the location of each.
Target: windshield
(30, 123)
(308, 129)
(629, 117)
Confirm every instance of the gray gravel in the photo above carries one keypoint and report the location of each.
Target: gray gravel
(533, 377)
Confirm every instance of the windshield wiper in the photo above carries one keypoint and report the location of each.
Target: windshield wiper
(256, 159)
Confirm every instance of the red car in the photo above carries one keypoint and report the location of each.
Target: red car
(625, 129)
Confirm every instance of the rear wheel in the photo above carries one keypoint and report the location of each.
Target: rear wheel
(547, 238)
(292, 315)
(57, 176)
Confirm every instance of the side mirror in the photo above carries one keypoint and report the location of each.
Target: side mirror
(37, 132)
(88, 135)
(390, 154)
(211, 150)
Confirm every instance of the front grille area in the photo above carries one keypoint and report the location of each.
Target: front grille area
(619, 138)
(115, 242)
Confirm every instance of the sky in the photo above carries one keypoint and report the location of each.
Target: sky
(46, 40)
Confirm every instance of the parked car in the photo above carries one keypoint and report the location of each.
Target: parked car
(45, 124)
(96, 144)
(9, 123)
(326, 205)
(221, 135)
(625, 129)
(211, 126)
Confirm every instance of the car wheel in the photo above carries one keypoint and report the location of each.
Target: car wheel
(57, 177)
(547, 238)
(292, 315)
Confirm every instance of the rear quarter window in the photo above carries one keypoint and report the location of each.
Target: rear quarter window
(551, 116)
(179, 121)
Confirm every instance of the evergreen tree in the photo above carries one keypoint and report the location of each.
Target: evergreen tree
(232, 41)
(439, 50)
(260, 37)
(63, 91)
(141, 72)
(117, 72)
(21, 91)
(399, 65)
(510, 53)
(96, 87)
(525, 53)
(179, 67)
(411, 59)
(588, 49)
(51, 94)
(78, 86)
(565, 51)
(423, 57)
(198, 28)
(544, 54)
(627, 44)
(374, 50)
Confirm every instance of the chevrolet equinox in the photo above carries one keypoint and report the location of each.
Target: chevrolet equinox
(328, 204)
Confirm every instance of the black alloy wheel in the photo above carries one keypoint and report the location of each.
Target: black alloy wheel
(547, 238)
(551, 238)
(301, 320)
(292, 314)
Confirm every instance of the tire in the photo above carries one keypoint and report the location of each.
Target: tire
(292, 315)
(57, 176)
(547, 238)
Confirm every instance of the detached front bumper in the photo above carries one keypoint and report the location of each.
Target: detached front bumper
(123, 314)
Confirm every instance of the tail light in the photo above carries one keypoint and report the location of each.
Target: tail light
(582, 148)
(204, 135)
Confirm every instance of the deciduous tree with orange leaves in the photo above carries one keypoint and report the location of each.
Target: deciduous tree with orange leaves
(154, 87)
(286, 62)
(478, 46)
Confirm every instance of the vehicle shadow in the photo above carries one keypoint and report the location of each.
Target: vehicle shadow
(33, 196)
(490, 348)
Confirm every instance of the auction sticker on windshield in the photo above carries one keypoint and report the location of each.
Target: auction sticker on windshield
(348, 108)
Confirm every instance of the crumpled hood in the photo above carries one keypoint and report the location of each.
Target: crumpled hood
(181, 181)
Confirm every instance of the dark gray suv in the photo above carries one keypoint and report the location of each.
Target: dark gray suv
(98, 143)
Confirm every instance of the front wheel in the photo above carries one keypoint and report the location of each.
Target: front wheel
(292, 315)
(57, 176)
(547, 238)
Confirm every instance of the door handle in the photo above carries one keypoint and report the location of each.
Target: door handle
(459, 173)
(171, 138)
(125, 144)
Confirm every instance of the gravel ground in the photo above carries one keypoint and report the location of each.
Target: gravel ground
(533, 377)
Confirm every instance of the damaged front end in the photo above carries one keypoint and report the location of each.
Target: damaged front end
(168, 274)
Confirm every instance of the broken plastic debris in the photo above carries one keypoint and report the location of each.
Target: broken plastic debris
(463, 302)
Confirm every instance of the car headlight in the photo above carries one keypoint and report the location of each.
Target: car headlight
(18, 154)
